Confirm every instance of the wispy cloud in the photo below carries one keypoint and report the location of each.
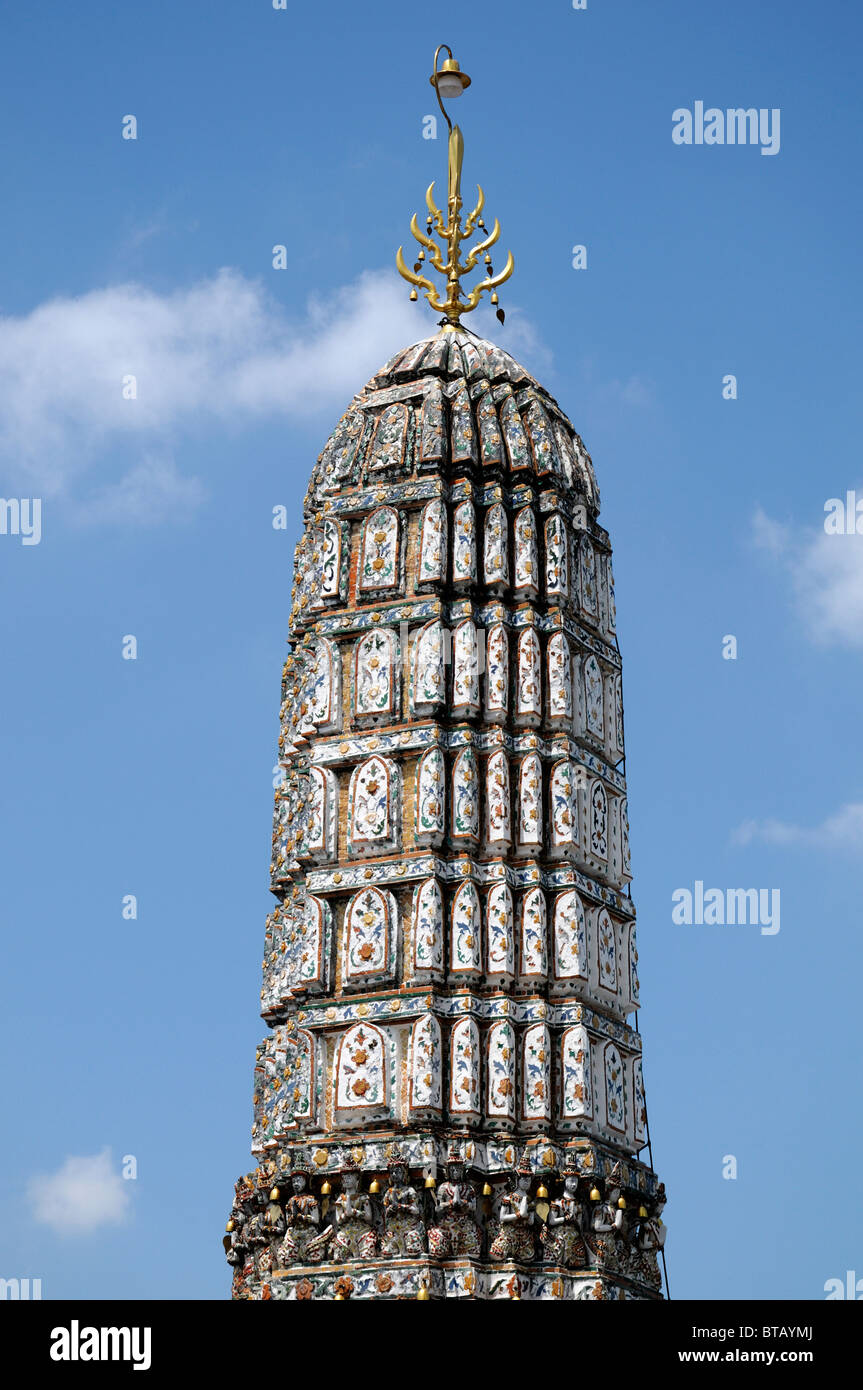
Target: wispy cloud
(825, 573)
(84, 1194)
(219, 354)
(843, 831)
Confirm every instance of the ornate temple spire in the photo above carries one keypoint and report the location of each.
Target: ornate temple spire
(449, 81)
(449, 1099)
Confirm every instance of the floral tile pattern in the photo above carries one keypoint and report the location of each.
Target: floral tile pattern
(452, 952)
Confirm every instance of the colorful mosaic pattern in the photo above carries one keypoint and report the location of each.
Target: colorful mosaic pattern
(450, 968)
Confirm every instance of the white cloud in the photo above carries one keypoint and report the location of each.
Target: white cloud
(84, 1194)
(151, 491)
(843, 831)
(220, 354)
(826, 577)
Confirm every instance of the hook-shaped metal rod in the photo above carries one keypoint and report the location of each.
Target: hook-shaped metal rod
(435, 75)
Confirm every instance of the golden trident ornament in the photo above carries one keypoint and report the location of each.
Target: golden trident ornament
(450, 81)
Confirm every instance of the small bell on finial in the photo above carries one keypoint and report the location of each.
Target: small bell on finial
(374, 1186)
(594, 1194)
(326, 1188)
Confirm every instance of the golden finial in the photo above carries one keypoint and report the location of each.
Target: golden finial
(450, 81)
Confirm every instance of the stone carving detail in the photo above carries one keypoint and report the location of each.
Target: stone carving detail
(497, 673)
(563, 1242)
(577, 1093)
(464, 545)
(501, 1072)
(379, 561)
(495, 554)
(587, 576)
(529, 826)
(433, 544)
(634, 988)
(536, 1076)
(598, 821)
(320, 840)
(463, 433)
(361, 1073)
(331, 560)
(303, 1243)
(428, 930)
(534, 948)
(526, 578)
(489, 431)
(404, 1230)
(430, 798)
(517, 1215)
(326, 691)
(593, 699)
(514, 435)
(615, 1100)
(464, 1071)
(559, 663)
(556, 557)
(374, 805)
(356, 1237)
(465, 797)
(626, 861)
(465, 670)
(341, 451)
(388, 445)
(606, 951)
(375, 676)
(563, 804)
(454, 1233)
(498, 802)
(432, 427)
(428, 670)
(570, 938)
(465, 938)
(639, 1103)
(500, 935)
(424, 1067)
(528, 703)
(370, 938)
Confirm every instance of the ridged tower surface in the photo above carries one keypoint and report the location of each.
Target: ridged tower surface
(450, 968)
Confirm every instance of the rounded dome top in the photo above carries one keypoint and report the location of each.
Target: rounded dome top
(453, 403)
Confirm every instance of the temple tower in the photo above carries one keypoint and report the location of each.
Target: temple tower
(449, 1101)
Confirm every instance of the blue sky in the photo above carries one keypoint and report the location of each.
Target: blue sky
(154, 777)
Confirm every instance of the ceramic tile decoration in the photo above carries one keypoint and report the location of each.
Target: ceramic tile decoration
(464, 545)
(495, 550)
(433, 544)
(450, 969)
